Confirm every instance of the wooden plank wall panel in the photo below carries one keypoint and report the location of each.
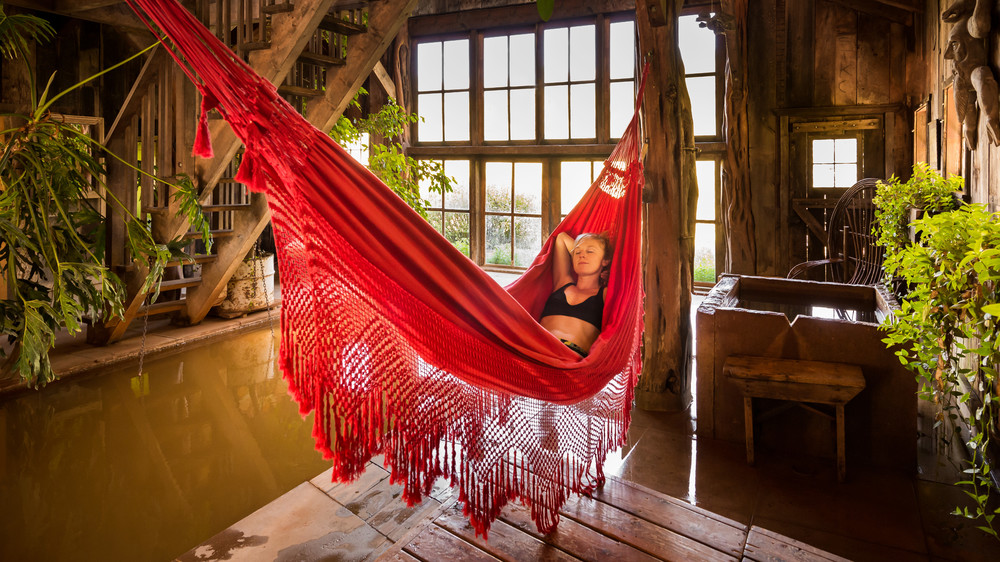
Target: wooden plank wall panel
(873, 65)
(799, 53)
(825, 55)
(763, 66)
(846, 57)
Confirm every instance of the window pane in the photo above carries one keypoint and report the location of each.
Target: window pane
(456, 230)
(527, 239)
(430, 126)
(702, 92)
(434, 217)
(622, 50)
(433, 198)
(697, 45)
(583, 113)
(458, 198)
(846, 150)
(498, 239)
(456, 64)
(556, 106)
(358, 150)
(429, 66)
(845, 175)
(456, 120)
(556, 54)
(528, 187)
(495, 115)
(574, 179)
(522, 55)
(704, 253)
(705, 169)
(498, 186)
(823, 175)
(622, 100)
(582, 53)
(522, 122)
(823, 151)
(495, 62)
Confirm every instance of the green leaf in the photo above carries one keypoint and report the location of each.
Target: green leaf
(545, 8)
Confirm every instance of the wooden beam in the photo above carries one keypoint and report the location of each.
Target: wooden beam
(427, 22)
(879, 9)
(672, 195)
(384, 20)
(383, 78)
(71, 6)
(114, 14)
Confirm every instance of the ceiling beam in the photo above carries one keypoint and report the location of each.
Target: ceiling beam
(879, 9)
(115, 14)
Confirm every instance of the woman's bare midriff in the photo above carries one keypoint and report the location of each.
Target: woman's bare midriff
(578, 331)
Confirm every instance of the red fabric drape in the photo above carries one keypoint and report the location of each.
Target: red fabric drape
(398, 343)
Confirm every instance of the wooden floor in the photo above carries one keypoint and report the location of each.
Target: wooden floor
(622, 522)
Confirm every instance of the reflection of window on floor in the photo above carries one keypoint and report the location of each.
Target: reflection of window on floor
(575, 179)
(449, 212)
(834, 162)
(513, 212)
(443, 97)
(705, 222)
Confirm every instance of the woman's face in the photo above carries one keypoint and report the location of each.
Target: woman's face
(588, 257)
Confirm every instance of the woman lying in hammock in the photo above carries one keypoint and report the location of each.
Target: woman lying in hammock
(574, 309)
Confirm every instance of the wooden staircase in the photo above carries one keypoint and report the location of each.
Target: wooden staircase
(318, 52)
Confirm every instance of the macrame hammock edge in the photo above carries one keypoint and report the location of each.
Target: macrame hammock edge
(396, 341)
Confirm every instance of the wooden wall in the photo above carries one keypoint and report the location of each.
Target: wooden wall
(831, 66)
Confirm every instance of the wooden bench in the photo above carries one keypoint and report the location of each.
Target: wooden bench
(799, 381)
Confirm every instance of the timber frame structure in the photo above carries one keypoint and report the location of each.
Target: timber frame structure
(875, 74)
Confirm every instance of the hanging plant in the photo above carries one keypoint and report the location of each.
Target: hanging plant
(946, 331)
(926, 190)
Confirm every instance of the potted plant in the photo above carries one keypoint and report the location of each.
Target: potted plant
(945, 331)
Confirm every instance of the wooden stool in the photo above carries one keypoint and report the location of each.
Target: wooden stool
(798, 381)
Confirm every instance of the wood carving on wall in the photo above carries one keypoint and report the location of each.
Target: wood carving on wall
(975, 89)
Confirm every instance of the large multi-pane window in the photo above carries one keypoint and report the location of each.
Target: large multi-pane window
(532, 110)
(704, 81)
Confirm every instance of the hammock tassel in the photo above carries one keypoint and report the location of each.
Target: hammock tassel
(203, 137)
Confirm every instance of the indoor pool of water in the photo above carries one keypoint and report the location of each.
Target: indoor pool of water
(120, 466)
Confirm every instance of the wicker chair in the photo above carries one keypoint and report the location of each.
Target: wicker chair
(854, 258)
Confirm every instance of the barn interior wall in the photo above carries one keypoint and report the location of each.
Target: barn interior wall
(821, 61)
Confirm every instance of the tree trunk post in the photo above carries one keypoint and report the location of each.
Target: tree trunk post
(671, 195)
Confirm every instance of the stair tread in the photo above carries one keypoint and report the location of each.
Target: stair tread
(299, 91)
(337, 25)
(180, 283)
(225, 207)
(319, 58)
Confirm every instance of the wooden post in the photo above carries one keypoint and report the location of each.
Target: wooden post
(736, 209)
(672, 195)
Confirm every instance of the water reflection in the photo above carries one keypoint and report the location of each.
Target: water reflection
(122, 467)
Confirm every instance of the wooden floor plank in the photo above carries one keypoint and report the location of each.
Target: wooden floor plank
(347, 492)
(641, 534)
(505, 542)
(398, 556)
(435, 544)
(704, 526)
(768, 546)
(582, 541)
(395, 519)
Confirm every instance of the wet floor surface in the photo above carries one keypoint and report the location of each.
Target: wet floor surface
(128, 467)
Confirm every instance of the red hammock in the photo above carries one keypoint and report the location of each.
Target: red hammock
(399, 343)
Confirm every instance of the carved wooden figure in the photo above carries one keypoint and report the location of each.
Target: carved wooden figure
(973, 78)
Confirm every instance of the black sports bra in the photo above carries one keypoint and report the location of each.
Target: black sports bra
(590, 310)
